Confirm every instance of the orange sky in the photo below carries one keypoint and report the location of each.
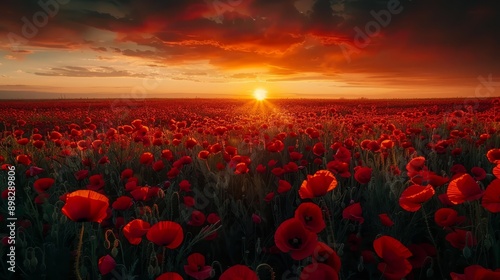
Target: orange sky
(228, 48)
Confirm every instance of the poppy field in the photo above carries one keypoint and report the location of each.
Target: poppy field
(245, 189)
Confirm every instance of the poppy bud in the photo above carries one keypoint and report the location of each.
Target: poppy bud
(26, 263)
(33, 262)
(157, 270)
(340, 250)
(360, 265)
(487, 242)
(466, 252)
(114, 252)
(430, 272)
(151, 271)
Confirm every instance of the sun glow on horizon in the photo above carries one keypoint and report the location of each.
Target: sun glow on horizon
(260, 94)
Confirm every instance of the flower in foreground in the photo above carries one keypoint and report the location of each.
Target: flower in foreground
(476, 272)
(311, 216)
(412, 198)
(326, 255)
(318, 184)
(239, 272)
(354, 212)
(135, 230)
(292, 237)
(318, 271)
(106, 264)
(43, 184)
(463, 188)
(166, 233)
(197, 268)
(394, 264)
(491, 198)
(86, 206)
(170, 276)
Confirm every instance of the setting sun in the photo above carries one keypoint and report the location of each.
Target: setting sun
(260, 94)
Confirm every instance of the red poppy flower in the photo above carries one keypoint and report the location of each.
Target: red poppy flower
(415, 165)
(318, 184)
(291, 236)
(122, 203)
(496, 171)
(425, 178)
(166, 233)
(203, 155)
(420, 254)
(241, 168)
(291, 167)
(458, 169)
(173, 173)
(23, 141)
(478, 173)
(96, 182)
(260, 169)
(278, 171)
(395, 264)
(23, 159)
(463, 188)
(140, 193)
(127, 173)
(158, 166)
(170, 276)
(339, 167)
(43, 184)
(491, 198)
(343, 155)
(412, 198)
(146, 158)
(135, 230)
(188, 201)
(213, 218)
(318, 149)
(185, 186)
(362, 174)
(239, 272)
(386, 220)
(196, 267)
(493, 156)
(445, 217)
(311, 216)
(283, 186)
(476, 272)
(318, 271)
(104, 160)
(86, 206)
(82, 174)
(190, 143)
(197, 218)
(460, 238)
(295, 156)
(325, 254)
(34, 170)
(106, 264)
(354, 213)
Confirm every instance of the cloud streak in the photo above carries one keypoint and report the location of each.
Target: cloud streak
(442, 40)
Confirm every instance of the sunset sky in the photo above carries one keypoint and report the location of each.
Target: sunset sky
(228, 48)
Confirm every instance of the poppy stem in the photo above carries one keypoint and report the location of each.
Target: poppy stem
(79, 253)
(433, 241)
(163, 258)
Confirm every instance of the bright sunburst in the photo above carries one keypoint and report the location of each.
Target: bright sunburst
(260, 94)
